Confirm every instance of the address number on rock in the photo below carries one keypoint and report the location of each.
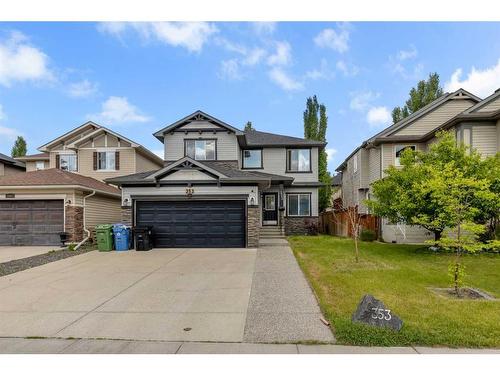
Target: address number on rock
(382, 314)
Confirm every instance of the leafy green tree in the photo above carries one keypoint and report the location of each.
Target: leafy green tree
(19, 148)
(424, 93)
(315, 126)
(248, 126)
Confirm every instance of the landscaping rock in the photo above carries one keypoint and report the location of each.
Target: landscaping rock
(373, 312)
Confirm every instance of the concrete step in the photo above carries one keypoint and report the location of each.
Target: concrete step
(269, 242)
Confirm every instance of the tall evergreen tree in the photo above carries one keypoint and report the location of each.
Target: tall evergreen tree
(248, 126)
(20, 148)
(424, 93)
(315, 126)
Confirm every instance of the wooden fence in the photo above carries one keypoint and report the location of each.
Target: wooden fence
(336, 223)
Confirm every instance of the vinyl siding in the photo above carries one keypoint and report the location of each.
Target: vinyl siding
(187, 175)
(227, 145)
(143, 164)
(484, 139)
(7, 170)
(413, 233)
(31, 165)
(351, 183)
(490, 107)
(274, 161)
(199, 125)
(102, 210)
(86, 164)
(364, 171)
(314, 197)
(432, 120)
(374, 165)
(388, 153)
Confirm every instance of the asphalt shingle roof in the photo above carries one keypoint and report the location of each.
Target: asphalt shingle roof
(8, 160)
(258, 138)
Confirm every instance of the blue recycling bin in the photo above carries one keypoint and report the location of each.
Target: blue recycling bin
(122, 237)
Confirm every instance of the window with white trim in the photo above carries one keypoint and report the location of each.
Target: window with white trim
(106, 161)
(398, 151)
(68, 162)
(200, 149)
(299, 204)
(39, 165)
(252, 159)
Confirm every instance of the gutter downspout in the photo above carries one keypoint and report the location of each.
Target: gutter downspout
(87, 232)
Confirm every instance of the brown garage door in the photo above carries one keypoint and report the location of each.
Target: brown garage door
(31, 222)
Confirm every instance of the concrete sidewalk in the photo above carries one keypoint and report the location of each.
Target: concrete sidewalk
(89, 346)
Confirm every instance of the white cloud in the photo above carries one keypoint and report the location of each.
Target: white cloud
(479, 82)
(116, 110)
(338, 40)
(82, 89)
(283, 80)
(20, 61)
(349, 70)
(361, 100)
(282, 56)
(254, 56)
(410, 53)
(330, 153)
(190, 35)
(230, 69)
(264, 27)
(9, 134)
(3, 116)
(378, 116)
(323, 72)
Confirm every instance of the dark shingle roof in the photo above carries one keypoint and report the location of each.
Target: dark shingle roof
(55, 176)
(337, 179)
(43, 155)
(258, 138)
(13, 162)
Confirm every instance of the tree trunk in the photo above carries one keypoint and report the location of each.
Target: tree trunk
(437, 235)
(356, 248)
(456, 276)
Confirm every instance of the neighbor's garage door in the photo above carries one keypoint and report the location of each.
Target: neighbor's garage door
(194, 223)
(36, 222)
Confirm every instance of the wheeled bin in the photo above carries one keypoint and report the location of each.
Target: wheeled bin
(104, 237)
(121, 234)
(143, 238)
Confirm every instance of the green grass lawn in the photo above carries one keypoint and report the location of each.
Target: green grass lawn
(400, 276)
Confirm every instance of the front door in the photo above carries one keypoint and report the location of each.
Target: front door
(269, 209)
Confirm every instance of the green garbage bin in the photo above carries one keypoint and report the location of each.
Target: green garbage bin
(104, 234)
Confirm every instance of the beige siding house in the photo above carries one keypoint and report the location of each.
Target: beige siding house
(10, 166)
(63, 188)
(475, 122)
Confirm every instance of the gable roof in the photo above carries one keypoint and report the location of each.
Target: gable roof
(484, 102)
(57, 177)
(255, 138)
(195, 116)
(42, 156)
(88, 124)
(386, 134)
(11, 162)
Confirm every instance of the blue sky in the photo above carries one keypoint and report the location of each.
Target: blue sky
(137, 78)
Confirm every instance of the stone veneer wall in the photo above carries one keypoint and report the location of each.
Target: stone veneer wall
(127, 215)
(253, 226)
(74, 223)
(299, 225)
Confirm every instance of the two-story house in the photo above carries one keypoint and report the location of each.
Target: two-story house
(63, 188)
(219, 185)
(474, 121)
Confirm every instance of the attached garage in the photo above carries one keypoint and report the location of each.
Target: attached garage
(31, 222)
(194, 223)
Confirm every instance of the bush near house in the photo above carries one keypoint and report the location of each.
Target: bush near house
(368, 235)
(402, 277)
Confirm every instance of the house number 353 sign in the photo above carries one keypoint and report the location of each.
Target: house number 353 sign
(373, 312)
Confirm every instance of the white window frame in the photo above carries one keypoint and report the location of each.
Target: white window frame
(63, 154)
(201, 140)
(38, 163)
(397, 162)
(243, 166)
(98, 160)
(289, 161)
(309, 196)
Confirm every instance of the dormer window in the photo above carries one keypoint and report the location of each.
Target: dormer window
(252, 159)
(200, 149)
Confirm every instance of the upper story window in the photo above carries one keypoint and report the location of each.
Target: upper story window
(68, 162)
(106, 161)
(355, 163)
(252, 159)
(39, 165)
(200, 149)
(298, 160)
(398, 151)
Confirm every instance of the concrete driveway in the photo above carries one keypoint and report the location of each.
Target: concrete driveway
(8, 253)
(217, 295)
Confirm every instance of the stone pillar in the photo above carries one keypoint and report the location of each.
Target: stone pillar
(253, 226)
(127, 215)
(74, 223)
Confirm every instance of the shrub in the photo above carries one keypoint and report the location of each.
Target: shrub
(368, 235)
(312, 228)
(71, 247)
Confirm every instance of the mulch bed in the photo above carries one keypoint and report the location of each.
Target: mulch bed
(465, 293)
(18, 265)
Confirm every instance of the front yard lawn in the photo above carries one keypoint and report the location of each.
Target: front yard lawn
(400, 276)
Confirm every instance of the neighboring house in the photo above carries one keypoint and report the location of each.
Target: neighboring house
(220, 185)
(63, 190)
(10, 166)
(474, 121)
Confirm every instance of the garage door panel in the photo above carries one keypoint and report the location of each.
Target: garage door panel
(194, 223)
(35, 222)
